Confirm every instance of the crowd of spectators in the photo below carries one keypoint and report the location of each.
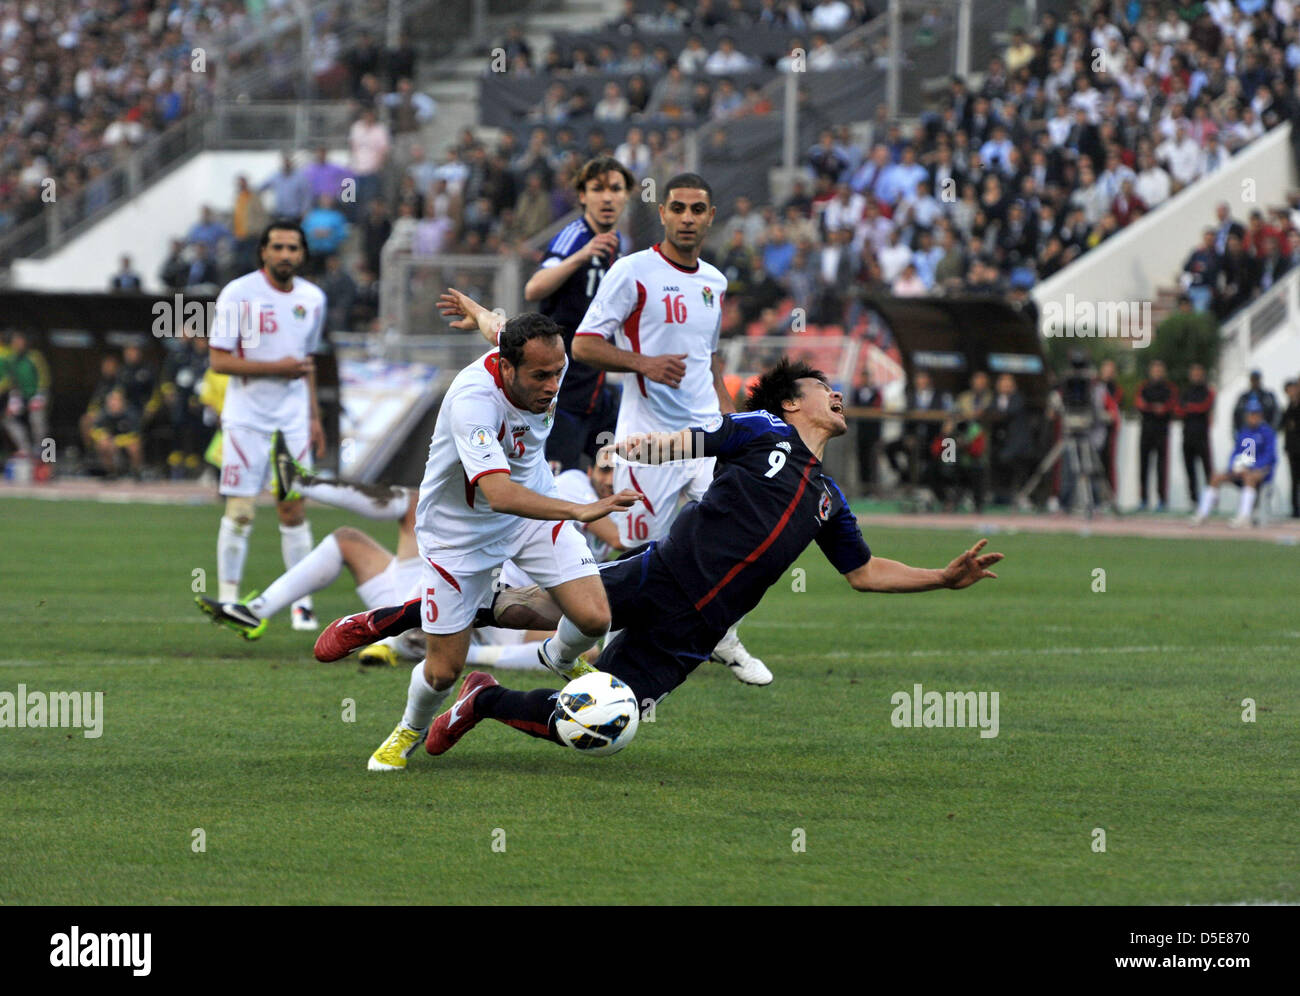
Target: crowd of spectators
(87, 82)
(1078, 129)
(1235, 263)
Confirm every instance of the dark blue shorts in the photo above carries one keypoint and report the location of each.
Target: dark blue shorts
(663, 638)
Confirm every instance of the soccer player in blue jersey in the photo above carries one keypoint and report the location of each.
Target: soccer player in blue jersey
(770, 499)
(563, 286)
(1253, 460)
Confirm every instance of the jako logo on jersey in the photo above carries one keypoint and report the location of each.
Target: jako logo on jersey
(824, 507)
(670, 289)
(299, 312)
(707, 294)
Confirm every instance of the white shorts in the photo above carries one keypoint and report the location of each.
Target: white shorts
(455, 584)
(664, 487)
(246, 457)
(394, 585)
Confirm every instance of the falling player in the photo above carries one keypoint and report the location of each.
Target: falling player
(267, 325)
(770, 499)
(488, 496)
(657, 316)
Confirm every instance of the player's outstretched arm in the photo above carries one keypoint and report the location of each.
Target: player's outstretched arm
(656, 447)
(469, 315)
(882, 575)
(512, 498)
(223, 361)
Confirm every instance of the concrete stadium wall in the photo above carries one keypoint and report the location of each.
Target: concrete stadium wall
(1150, 253)
(144, 227)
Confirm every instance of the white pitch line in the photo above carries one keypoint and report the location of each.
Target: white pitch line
(1054, 651)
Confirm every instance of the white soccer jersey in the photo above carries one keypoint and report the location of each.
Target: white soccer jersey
(575, 486)
(648, 304)
(479, 432)
(254, 319)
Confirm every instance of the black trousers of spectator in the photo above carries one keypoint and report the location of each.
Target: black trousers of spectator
(1196, 449)
(1108, 458)
(1154, 442)
(1293, 457)
(868, 436)
(948, 480)
(911, 451)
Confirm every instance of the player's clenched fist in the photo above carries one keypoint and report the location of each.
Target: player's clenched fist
(614, 503)
(604, 246)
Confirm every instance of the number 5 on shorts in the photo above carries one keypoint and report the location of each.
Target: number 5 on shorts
(430, 608)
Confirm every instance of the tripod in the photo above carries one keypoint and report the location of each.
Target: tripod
(1076, 447)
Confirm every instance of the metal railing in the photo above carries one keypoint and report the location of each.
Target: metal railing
(1275, 309)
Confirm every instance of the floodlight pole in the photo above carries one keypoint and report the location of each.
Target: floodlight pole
(790, 119)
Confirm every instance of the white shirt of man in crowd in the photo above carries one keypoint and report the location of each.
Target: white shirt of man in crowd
(830, 15)
(893, 258)
(369, 141)
(1181, 155)
(1153, 184)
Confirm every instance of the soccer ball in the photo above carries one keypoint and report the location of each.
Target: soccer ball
(596, 714)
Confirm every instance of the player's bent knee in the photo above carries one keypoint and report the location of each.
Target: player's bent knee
(240, 510)
(440, 674)
(593, 622)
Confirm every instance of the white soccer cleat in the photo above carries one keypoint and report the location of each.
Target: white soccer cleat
(568, 670)
(1239, 522)
(1197, 519)
(304, 620)
(745, 666)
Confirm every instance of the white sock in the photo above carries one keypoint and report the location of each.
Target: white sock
(569, 643)
(349, 497)
(1208, 498)
(422, 700)
(514, 657)
(311, 573)
(1247, 505)
(295, 544)
(232, 551)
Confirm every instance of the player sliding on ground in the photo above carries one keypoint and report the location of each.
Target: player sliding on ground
(770, 499)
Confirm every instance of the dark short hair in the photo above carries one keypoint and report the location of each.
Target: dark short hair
(595, 169)
(780, 384)
(518, 330)
(287, 224)
(688, 181)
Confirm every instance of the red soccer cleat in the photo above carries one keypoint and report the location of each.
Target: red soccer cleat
(460, 718)
(345, 635)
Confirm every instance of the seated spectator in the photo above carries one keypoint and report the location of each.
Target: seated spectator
(117, 433)
(693, 57)
(209, 232)
(110, 371)
(183, 372)
(201, 274)
(290, 188)
(125, 280)
(908, 283)
(634, 153)
(613, 105)
(24, 396)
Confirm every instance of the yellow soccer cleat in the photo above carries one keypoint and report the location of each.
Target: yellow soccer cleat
(378, 655)
(393, 752)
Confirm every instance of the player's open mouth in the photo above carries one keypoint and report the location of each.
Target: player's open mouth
(837, 408)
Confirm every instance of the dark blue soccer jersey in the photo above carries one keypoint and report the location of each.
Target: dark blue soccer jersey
(769, 499)
(566, 307)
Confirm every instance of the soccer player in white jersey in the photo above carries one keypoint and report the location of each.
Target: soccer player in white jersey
(657, 315)
(488, 496)
(266, 326)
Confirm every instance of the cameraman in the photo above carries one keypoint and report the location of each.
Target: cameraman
(1083, 426)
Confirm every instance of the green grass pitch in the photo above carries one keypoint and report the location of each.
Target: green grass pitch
(1119, 710)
